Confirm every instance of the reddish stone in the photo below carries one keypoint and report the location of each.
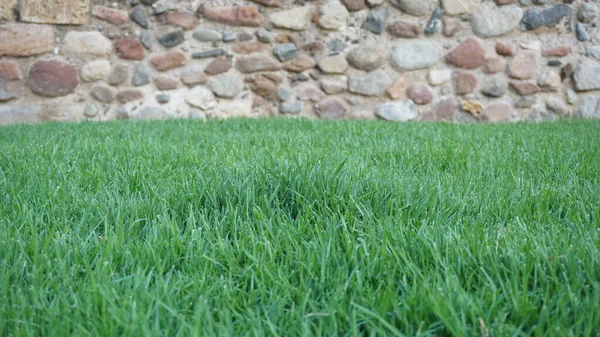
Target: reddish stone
(331, 108)
(114, 16)
(168, 61)
(17, 39)
(451, 27)
(465, 82)
(524, 65)
(130, 49)
(468, 55)
(184, 20)
(525, 88)
(444, 110)
(315, 17)
(234, 16)
(299, 64)
(52, 78)
(264, 85)
(10, 71)
(103, 94)
(269, 3)
(397, 90)
(308, 92)
(130, 95)
(404, 29)
(313, 48)
(504, 49)
(557, 52)
(493, 65)
(248, 47)
(166, 83)
(420, 94)
(354, 5)
(218, 66)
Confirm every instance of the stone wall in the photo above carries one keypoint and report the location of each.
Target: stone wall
(397, 60)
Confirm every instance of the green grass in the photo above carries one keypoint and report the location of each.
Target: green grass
(300, 228)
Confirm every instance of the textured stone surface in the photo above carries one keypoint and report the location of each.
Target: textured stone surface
(103, 94)
(52, 78)
(95, 71)
(112, 15)
(456, 7)
(404, 29)
(400, 111)
(234, 16)
(129, 95)
(375, 21)
(372, 84)
(200, 97)
(465, 83)
(184, 20)
(218, 66)
(333, 15)
(504, 49)
(207, 35)
(168, 61)
(332, 108)
(72, 12)
(140, 75)
(285, 52)
(249, 47)
(193, 76)
(495, 86)
(151, 113)
(415, 7)
(296, 19)
(524, 65)
(445, 109)
(90, 43)
(252, 64)
(138, 15)
(367, 57)
(525, 88)
(493, 65)
(492, 22)
(10, 71)
(334, 84)
(7, 9)
(397, 90)
(299, 64)
(468, 55)
(439, 76)
(19, 113)
(228, 85)
(25, 39)
(420, 94)
(498, 112)
(264, 85)
(165, 82)
(118, 75)
(589, 106)
(172, 39)
(417, 54)
(587, 76)
(354, 5)
(130, 49)
(333, 64)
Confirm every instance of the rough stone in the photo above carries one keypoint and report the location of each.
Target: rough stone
(588, 12)
(209, 53)
(451, 27)
(434, 23)
(297, 19)
(130, 49)
(299, 64)
(465, 82)
(333, 65)
(151, 113)
(532, 19)
(420, 94)
(284, 94)
(168, 61)
(313, 48)
(193, 76)
(445, 109)
(52, 78)
(525, 88)
(103, 94)
(162, 98)
(19, 113)
(555, 14)
(375, 21)
(457, 7)
(417, 54)
(207, 35)
(495, 86)
(6, 93)
(524, 65)
(557, 106)
(404, 29)
(582, 34)
(498, 112)
(18, 39)
(416, 7)
(560, 51)
(593, 52)
(334, 84)
(138, 15)
(550, 81)
(264, 36)
(308, 92)
(141, 76)
(367, 57)
(587, 76)
(332, 108)
(172, 39)
(354, 5)
(118, 75)
(227, 86)
(333, 15)
(7, 9)
(490, 22)
(112, 15)
(468, 55)
(285, 52)
(525, 102)
(256, 63)
(269, 3)
(234, 16)
(246, 48)
(372, 84)
(292, 108)
(129, 95)
(589, 107)
(184, 20)
(218, 66)
(439, 76)
(401, 111)
(493, 65)
(95, 71)
(10, 70)
(397, 90)
(62, 12)
(264, 85)
(165, 82)
(200, 97)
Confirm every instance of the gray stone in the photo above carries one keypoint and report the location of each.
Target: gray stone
(557, 13)
(492, 22)
(532, 19)
(207, 35)
(400, 111)
(525, 102)
(593, 52)
(417, 54)
(118, 75)
(284, 94)
(151, 113)
(227, 86)
(582, 34)
(588, 12)
(297, 19)
(496, 86)
(367, 57)
(264, 36)
(292, 108)
(173, 38)
(103, 94)
(416, 7)
(557, 106)
(5, 93)
(375, 21)
(372, 84)
(336, 46)
(334, 84)
(162, 98)
(589, 107)
(285, 52)
(121, 112)
(571, 97)
(435, 22)
(230, 37)
(91, 110)
(141, 76)
(19, 113)
(587, 76)
(146, 38)
(208, 53)
(139, 16)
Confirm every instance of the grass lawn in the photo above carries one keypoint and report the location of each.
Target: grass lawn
(300, 228)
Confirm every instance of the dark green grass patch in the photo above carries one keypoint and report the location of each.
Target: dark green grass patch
(300, 228)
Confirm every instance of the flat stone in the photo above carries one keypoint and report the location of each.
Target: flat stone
(193, 76)
(90, 43)
(172, 39)
(495, 86)
(285, 52)
(397, 90)
(10, 70)
(525, 88)
(264, 85)
(297, 19)
(490, 22)
(589, 107)
(367, 57)
(451, 27)
(401, 111)
(332, 108)
(468, 55)
(52, 78)
(118, 75)
(333, 64)
(571, 97)
(313, 48)
(187, 21)
(404, 29)
(95, 71)
(201, 97)
(416, 7)
(227, 86)
(138, 15)
(560, 51)
(333, 15)
(129, 95)
(420, 94)
(112, 15)
(524, 65)
(250, 47)
(209, 53)
(218, 66)
(498, 112)
(17, 39)
(284, 94)
(334, 84)
(587, 76)
(375, 21)
(130, 49)
(146, 38)
(493, 65)
(207, 35)
(465, 82)
(354, 5)
(292, 108)
(168, 61)
(555, 14)
(439, 76)
(372, 84)
(256, 63)
(245, 36)
(234, 16)
(165, 82)
(445, 109)
(151, 113)
(62, 12)
(457, 7)
(532, 19)
(417, 54)
(103, 94)
(141, 76)
(299, 64)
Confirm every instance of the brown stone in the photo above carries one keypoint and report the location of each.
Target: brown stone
(285, 38)
(504, 49)
(468, 55)
(404, 29)
(252, 64)
(130, 95)
(525, 88)
(17, 39)
(130, 49)
(103, 94)
(420, 94)
(443, 110)
(6, 91)
(118, 75)
(168, 61)
(184, 20)
(308, 92)
(194, 77)
(332, 108)
(472, 107)
(10, 70)
(493, 65)
(451, 27)
(397, 90)
(268, 3)
(313, 48)
(114, 16)
(67, 12)
(561, 51)
(218, 66)
(524, 65)
(300, 64)
(264, 85)
(235, 16)
(166, 83)
(465, 82)
(354, 5)
(248, 47)
(52, 78)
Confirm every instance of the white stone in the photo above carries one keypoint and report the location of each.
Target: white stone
(334, 84)
(587, 76)
(457, 7)
(418, 54)
(589, 106)
(593, 52)
(294, 19)
(95, 71)
(91, 43)
(200, 97)
(495, 21)
(401, 111)
(333, 15)
(416, 7)
(439, 76)
(333, 64)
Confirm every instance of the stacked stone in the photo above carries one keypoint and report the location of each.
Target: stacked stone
(396, 60)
